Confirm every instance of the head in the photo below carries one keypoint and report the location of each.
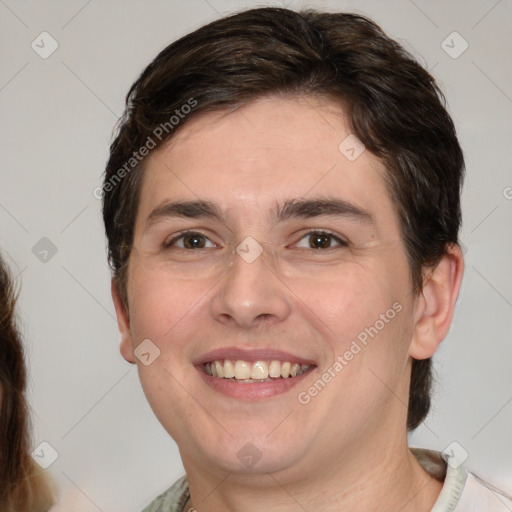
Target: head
(252, 113)
(23, 486)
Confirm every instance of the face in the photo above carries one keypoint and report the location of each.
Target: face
(263, 248)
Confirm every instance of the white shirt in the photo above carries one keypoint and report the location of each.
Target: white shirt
(462, 491)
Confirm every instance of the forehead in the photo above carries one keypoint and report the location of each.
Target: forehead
(267, 152)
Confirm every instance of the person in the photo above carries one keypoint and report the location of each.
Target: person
(24, 486)
(282, 208)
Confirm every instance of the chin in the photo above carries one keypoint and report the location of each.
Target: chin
(252, 460)
(251, 454)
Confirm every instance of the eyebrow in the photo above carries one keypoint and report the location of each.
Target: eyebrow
(184, 209)
(309, 208)
(290, 209)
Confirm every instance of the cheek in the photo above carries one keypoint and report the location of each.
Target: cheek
(160, 305)
(348, 299)
(362, 309)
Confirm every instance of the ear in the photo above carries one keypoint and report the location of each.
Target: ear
(436, 304)
(123, 322)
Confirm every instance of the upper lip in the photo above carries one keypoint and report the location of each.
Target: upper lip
(251, 355)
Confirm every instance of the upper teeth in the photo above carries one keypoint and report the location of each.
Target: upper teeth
(258, 370)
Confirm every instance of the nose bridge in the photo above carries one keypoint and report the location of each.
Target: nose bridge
(251, 290)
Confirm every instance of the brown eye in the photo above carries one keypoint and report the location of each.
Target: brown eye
(190, 240)
(320, 240)
(193, 241)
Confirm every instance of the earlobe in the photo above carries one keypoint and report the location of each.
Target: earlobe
(436, 304)
(123, 322)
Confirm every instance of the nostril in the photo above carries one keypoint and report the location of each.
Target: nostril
(264, 317)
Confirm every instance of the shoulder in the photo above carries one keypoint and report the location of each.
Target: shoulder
(172, 500)
(479, 495)
(36, 492)
(462, 490)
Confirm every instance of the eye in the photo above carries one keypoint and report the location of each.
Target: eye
(320, 240)
(190, 240)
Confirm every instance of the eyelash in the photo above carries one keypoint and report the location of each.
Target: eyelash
(170, 243)
(340, 241)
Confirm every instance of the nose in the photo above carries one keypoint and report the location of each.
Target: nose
(251, 294)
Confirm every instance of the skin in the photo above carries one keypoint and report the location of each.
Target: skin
(347, 448)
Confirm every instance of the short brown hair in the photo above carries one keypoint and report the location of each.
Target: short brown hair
(393, 105)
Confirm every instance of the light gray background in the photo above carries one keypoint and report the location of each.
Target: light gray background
(57, 116)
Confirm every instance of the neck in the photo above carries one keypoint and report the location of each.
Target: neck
(366, 481)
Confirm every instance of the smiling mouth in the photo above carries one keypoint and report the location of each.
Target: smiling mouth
(254, 372)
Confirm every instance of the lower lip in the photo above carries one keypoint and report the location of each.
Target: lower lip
(251, 390)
